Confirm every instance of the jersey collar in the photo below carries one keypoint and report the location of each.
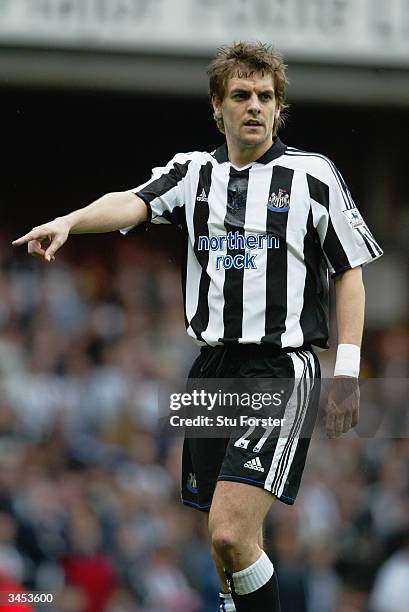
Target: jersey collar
(276, 149)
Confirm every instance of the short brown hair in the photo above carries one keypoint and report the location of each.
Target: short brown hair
(244, 59)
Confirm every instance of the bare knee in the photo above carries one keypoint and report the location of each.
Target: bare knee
(224, 540)
(229, 546)
(226, 545)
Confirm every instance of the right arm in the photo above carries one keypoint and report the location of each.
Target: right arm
(111, 212)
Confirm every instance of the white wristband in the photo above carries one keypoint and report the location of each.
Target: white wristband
(348, 360)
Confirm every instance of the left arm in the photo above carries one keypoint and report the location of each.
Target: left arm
(350, 306)
(343, 400)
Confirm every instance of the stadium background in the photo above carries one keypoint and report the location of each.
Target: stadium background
(89, 495)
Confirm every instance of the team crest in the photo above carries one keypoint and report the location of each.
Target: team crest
(191, 483)
(354, 217)
(279, 202)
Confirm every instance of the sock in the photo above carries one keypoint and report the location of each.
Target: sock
(226, 603)
(255, 588)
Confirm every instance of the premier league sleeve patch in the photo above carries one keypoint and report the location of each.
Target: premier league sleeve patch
(354, 217)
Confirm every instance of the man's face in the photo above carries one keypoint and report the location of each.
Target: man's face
(248, 110)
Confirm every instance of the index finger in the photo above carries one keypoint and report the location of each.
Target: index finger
(34, 234)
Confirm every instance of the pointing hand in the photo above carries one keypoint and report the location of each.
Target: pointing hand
(45, 240)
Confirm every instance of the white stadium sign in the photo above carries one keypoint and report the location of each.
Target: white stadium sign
(374, 32)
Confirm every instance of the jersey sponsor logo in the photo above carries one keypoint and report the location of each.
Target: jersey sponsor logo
(254, 464)
(236, 241)
(279, 202)
(240, 262)
(202, 197)
(354, 217)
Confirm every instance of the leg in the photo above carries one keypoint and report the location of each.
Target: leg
(226, 602)
(235, 523)
(224, 587)
(236, 517)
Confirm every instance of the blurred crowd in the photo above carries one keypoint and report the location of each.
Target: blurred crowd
(89, 492)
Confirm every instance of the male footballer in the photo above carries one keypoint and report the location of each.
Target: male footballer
(265, 224)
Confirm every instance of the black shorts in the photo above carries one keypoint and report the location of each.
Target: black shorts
(275, 463)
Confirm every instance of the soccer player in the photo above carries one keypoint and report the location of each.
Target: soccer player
(264, 225)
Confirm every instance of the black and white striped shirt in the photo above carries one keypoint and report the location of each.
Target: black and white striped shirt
(260, 242)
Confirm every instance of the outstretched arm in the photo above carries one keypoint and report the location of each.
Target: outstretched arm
(111, 212)
(343, 401)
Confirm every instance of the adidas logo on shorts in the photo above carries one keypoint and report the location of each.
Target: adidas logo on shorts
(254, 464)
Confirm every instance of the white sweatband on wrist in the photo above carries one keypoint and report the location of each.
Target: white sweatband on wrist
(348, 360)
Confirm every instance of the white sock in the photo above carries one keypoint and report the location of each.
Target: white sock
(226, 603)
(254, 577)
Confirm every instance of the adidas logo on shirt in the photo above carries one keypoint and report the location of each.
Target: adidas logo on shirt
(202, 197)
(254, 464)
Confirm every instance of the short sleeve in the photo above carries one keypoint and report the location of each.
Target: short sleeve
(164, 193)
(345, 238)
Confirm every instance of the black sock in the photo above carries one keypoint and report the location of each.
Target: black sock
(255, 588)
(265, 599)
